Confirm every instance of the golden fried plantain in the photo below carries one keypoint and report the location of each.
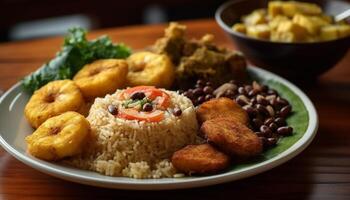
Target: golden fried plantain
(53, 99)
(146, 68)
(199, 159)
(59, 137)
(101, 77)
(232, 137)
(221, 107)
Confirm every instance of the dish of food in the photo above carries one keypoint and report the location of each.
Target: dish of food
(291, 21)
(131, 122)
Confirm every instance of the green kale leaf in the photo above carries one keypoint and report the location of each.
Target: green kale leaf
(76, 52)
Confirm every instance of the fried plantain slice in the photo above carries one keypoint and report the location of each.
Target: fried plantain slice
(199, 159)
(101, 77)
(51, 100)
(221, 107)
(232, 137)
(59, 137)
(146, 68)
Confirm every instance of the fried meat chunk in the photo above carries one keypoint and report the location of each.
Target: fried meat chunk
(232, 137)
(221, 107)
(199, 159)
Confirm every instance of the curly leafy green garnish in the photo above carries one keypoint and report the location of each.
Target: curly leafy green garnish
(75, 53)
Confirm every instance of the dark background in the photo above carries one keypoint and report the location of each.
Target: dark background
(17, 16)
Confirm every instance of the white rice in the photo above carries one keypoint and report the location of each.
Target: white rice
(134, 148)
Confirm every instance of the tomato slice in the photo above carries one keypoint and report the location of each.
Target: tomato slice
(132, 114)
(152, 93)
(142, 88)
(160, 99)
(164, 101)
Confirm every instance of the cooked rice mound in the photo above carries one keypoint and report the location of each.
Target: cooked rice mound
(134, 148)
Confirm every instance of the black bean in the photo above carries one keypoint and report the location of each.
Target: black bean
(138, 96)
(208, 97)
(260, 134)
(273, 102)
(270, 110)
(268, 121)
(208, 90)
(241, 90)
(266, 130)
(277, 113)
(200, 82)
(177, 111)
(264, 88)
(271, 91)
(189, 94)
(280, 121)
(251, 111)
(282, 102)
(230, 93)
(248, 88)
(261, 100)
(197, 92)
(284, 112)
(242, 100)
(270, 97)
(194, 101)
(253, 100)
(285, 130)
(273, 126)
(271, 141)
(147, 107)
(198, 86)
(257, 123)
(262, 110)
(263, 94)
(252, 92)
(200, 100)
(112, 109)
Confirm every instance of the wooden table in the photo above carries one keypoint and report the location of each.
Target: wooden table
(322, 171)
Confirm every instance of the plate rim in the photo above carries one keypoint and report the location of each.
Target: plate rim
(178, 183)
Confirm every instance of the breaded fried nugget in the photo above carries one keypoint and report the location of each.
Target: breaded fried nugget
(221, 107)
(232, 137)
(199, 159)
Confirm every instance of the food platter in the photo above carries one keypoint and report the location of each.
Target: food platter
(14, 128)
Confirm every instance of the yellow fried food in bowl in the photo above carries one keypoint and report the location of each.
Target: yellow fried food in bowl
(59, 137)
(146, 68)
(291, 22)
(101, 77)
(290, 8)
(53, 99)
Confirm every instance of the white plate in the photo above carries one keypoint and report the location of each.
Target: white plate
(14, 128)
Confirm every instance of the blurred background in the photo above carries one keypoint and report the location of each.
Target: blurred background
(27, 19)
